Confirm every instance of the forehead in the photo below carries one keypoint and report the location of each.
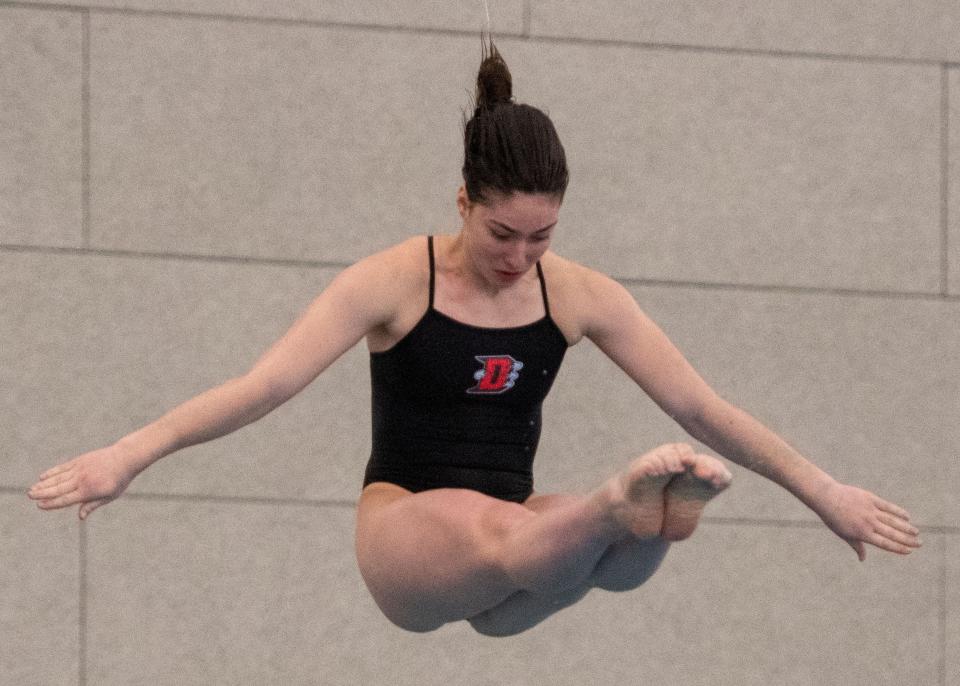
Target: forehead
(524, 210)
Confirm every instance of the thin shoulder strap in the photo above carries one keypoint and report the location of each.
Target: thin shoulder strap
(432, 278)
(543, 288)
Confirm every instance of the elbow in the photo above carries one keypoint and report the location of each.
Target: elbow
(697, 417)
(263, 390)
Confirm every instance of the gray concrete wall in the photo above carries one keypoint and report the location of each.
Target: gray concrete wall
(775, 182)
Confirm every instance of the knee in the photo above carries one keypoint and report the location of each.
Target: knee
(621, 584)
(510, 618)
(485, 625)
(409, 619)
(523, 611)
(627, 569)
(417, 626)
(497, 627)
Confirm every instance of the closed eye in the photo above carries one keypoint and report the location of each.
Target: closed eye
(536, 238)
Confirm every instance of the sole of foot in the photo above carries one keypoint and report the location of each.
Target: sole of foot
(637, 496)
(687, 495)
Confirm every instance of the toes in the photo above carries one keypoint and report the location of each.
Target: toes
(684, 455)
(675, 457)
(712, 471)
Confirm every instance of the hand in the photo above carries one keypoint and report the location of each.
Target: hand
(92, 479)
(858, 516)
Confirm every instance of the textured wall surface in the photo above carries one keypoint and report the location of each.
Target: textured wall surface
(776, 183)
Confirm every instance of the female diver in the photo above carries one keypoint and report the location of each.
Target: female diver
(466, 334)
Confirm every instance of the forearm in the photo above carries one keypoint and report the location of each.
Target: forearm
(736, 435)
(212, 414)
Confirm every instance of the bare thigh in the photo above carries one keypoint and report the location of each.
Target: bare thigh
(449, 554)
(626, 564)
(430, 558)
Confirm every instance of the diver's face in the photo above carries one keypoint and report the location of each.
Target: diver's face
(509, 234)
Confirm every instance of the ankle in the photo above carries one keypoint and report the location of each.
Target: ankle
(610, 503)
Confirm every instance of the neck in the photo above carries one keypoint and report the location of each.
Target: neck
(456, 258)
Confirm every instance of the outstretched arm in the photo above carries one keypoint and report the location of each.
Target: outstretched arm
(856, 515)
(355, 302)
(632, 340)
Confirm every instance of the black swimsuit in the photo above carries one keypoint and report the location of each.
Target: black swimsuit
(458, 406)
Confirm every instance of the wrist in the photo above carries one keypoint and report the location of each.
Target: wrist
(143, 447)
(818, 490)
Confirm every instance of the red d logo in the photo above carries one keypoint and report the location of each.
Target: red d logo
(499, 374)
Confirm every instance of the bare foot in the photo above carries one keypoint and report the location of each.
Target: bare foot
(635, 498)
(688, 493)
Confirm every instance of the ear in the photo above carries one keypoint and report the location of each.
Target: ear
(463, 202)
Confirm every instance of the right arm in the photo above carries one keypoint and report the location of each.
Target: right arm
(358, 300)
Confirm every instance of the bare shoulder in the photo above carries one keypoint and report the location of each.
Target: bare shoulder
(389, 276)
(581, 298)
(393, 287)
(400, 260)
(364, 298)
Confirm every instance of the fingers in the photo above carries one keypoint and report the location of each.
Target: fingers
(67, 499)
(59, 469)
(90, 480)
(899, 524)
(892, 509)
(889, 530)
(52, 486)
(891, 539)
(87, 508)
(890, 545)
(894, 539)
(893, 532)
(59, 489)
(907, 540)
(859, 549)
(54, 476)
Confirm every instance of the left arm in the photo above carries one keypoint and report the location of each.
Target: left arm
(617, 325)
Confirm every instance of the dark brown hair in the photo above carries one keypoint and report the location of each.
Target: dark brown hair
(508, 147)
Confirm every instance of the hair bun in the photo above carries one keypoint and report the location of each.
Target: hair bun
(494, 83)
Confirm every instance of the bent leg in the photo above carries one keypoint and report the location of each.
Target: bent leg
(627, 563)
(624, 566)
(448, 554)
(524, 610)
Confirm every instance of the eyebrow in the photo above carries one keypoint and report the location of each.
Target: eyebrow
(504, 226)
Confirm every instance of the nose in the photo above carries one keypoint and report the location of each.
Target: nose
(521, 253)
(517, 256)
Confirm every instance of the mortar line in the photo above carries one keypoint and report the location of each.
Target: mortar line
(811, 524)
(82, 605)
(241, 500)
(945, 180)
(174, 256)
(558, 40)
(350, 503)
(13, 490)
(338, 265)
(944, 530)
(85, 129)
(943, 613)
